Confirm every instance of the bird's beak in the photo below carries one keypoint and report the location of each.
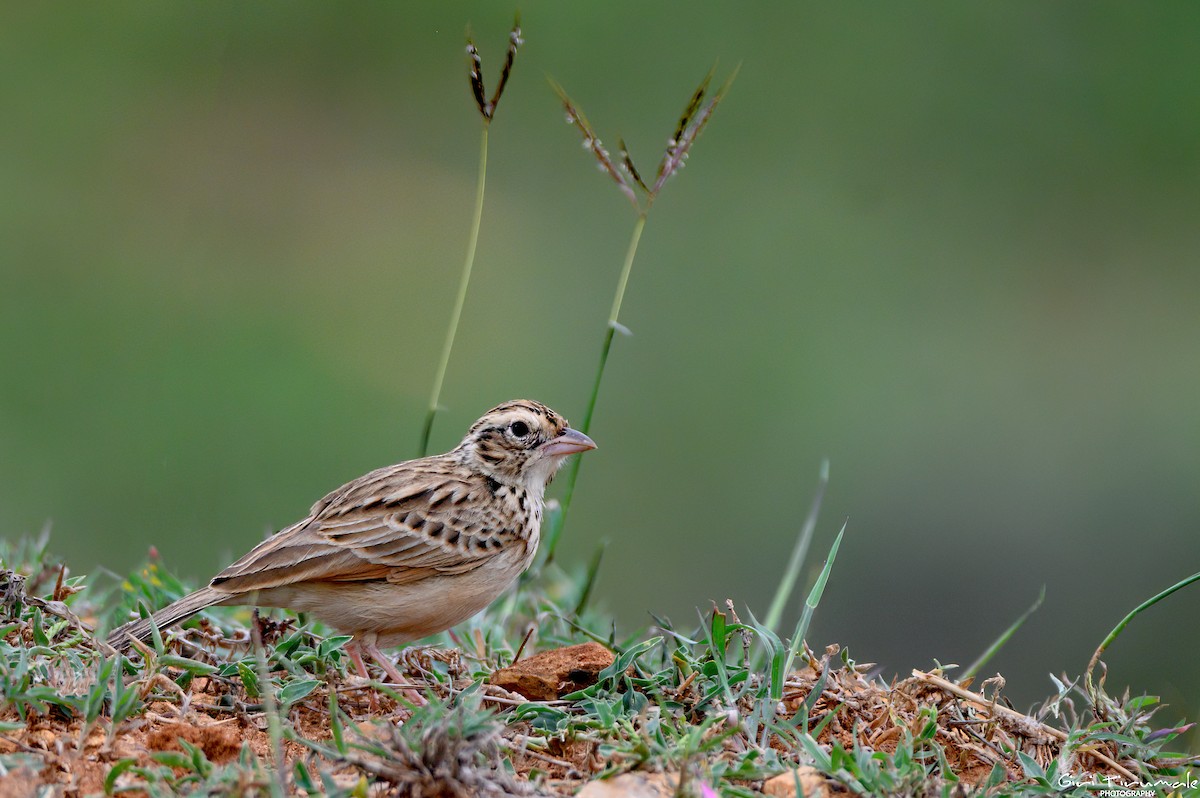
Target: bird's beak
(569, 442)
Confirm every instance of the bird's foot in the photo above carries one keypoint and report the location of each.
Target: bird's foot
(394, 674)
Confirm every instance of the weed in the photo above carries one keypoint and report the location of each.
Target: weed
(487, 110)
(691, 123)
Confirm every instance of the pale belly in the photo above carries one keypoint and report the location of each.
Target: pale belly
(396, 614)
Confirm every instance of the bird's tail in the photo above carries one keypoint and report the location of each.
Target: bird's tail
(186, 607)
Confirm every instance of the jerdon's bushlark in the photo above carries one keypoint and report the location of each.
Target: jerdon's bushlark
(408, 550)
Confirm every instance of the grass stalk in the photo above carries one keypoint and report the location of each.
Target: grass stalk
(629, 181)
(1120, 627)
(796, 644)
(799, 553)
(999, 642)
(487, 110)
(614, 324)
(460, 300)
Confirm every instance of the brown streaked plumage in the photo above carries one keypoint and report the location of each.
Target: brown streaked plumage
(408, 550)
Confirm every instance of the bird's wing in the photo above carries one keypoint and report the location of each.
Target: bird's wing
(401, 523)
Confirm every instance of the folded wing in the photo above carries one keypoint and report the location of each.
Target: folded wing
(398, 523)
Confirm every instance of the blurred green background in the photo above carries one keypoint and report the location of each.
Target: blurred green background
(952, 247)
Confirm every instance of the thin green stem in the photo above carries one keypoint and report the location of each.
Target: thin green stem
(796, 644)
(573, 469)
(784, 591)
(1116, 632)
(995, 647)
(460, 300)
(626, 269)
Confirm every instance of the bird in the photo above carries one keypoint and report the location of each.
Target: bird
(407, 550)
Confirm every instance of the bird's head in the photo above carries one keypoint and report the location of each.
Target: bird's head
(522, 443)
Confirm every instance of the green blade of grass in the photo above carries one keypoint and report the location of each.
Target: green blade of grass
(799, 552)
(589, 582)
(811, 603)
(1120, 627)
(1003, 638)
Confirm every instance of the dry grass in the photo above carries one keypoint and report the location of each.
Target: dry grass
(191, 713)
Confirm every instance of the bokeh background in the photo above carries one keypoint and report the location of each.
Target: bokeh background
(951, 247)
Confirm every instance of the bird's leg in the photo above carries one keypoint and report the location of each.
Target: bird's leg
(392, 672)
(355, 651)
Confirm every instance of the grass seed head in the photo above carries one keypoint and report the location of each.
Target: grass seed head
(592, 143)
(627, 177)
(487, 108)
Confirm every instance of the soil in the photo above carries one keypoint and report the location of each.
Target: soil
(216, 717)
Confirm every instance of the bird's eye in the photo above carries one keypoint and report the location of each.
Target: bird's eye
(519, 428)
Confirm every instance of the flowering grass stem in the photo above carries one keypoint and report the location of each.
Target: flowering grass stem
(558, 520)
(629, 180)
(459, 301)
(487, 110)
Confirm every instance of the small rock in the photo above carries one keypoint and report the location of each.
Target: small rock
(631, 785)
(552, 674)
(811, 781)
